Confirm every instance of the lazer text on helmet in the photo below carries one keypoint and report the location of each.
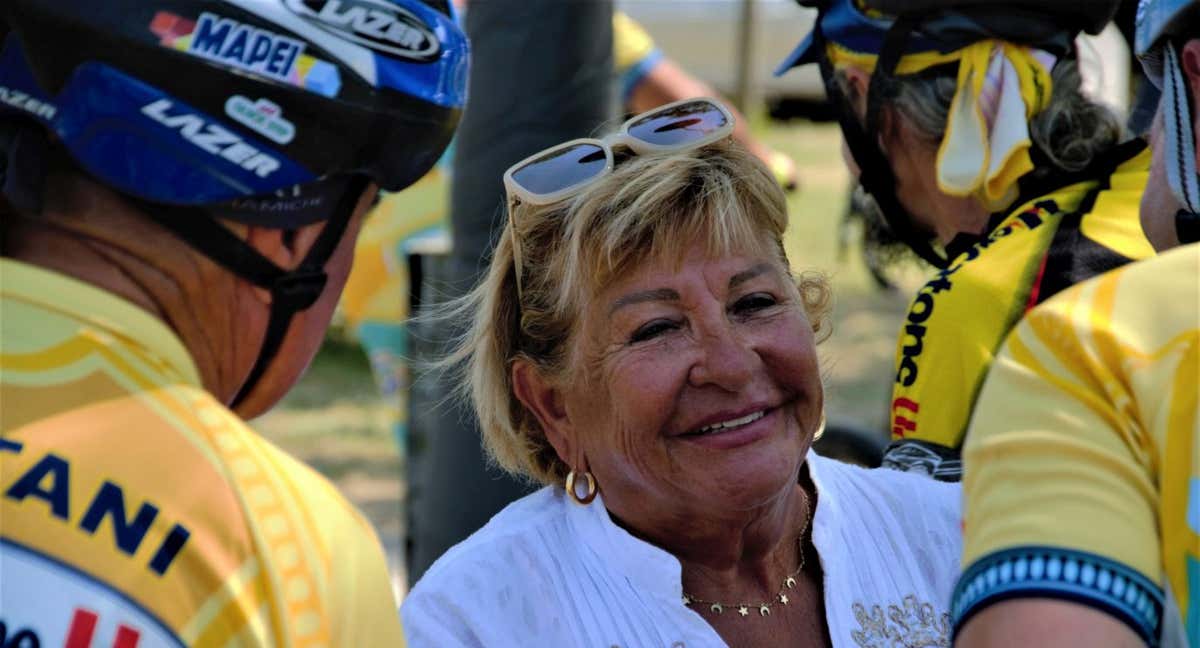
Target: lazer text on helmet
(212, 138)
(382, 26)
(28, 103)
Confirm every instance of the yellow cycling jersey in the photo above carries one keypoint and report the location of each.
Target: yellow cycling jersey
(631, 42)
(958, 319)
(1083, 458)
(138, 511)
(634, 53)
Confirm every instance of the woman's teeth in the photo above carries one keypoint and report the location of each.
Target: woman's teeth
(737, 422)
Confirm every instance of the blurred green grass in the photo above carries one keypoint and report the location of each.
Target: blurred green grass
(335, 420)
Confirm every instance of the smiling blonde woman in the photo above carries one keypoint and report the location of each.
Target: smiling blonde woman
(641, 347)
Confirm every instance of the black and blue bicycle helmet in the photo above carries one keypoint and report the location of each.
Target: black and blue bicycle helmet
(268, 112)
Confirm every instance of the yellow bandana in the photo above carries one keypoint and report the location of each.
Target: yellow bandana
(1001, 86)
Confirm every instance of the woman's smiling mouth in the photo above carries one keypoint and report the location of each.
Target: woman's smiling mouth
(734, 431)
(737, 422)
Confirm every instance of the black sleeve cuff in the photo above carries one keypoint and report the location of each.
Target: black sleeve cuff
(1065, 574)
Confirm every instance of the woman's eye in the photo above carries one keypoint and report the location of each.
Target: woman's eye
(754, 302)
(652, 330)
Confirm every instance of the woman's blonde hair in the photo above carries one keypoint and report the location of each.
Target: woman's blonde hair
(650, 207)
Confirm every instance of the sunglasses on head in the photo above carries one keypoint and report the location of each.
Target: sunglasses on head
(562, 171)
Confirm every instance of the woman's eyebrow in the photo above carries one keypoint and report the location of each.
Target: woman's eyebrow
(658, 294)
(667, 294)
(746, 275)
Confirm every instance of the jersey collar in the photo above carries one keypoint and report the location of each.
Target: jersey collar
(104, 310)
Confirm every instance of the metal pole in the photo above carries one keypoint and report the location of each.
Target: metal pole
(565, 93)
(747, 87)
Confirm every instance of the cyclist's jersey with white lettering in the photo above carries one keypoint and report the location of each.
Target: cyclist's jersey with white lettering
(139, 511)
(1083, 457)
(958, 320)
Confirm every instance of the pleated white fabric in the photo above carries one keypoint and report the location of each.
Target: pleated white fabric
(546, 572)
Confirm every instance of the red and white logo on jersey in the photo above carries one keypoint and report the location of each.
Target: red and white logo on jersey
(48, 604)
(83, 629)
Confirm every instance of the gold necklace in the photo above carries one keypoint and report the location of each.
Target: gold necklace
(764, 608)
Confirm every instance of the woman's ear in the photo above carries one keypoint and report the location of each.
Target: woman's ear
(890, 132)
(857, 82)
(541, 397)
(287, 248)
(284, 248)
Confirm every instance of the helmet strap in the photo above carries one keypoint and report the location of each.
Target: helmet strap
(292, 291)
(876, 175)
(1179, 146)
(22, 164)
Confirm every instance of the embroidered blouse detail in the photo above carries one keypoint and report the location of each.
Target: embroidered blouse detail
(911, 624)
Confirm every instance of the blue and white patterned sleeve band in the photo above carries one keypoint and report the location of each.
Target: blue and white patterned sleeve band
(631, 78)
(1066, 574)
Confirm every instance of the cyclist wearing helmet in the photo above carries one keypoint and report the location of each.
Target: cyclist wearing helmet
(182, 185)
(965, 122)
(1083, 502)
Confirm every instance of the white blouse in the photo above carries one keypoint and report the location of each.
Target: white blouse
(547, 572)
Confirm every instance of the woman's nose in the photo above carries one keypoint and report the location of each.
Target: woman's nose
(727, 360)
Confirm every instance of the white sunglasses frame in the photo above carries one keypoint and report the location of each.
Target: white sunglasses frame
(619, 138)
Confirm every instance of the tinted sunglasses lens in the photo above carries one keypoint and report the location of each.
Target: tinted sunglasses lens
(679, 125)
(561, 169)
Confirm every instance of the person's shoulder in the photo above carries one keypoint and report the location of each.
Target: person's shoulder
(288, 499)
(269, 477)
(888, 533)
(1148, 281)
(981, 277)
(1174, 272)
(1133, 159)
(917, 503)
(485, 588)
(520, 527)
(883, 479)
(334, 517)
(1126, 305)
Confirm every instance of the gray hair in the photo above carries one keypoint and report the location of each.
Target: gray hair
(1072, 130)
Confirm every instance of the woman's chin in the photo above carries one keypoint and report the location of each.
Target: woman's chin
(755, 494)
(752, 475)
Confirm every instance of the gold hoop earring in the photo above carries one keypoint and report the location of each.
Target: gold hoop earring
(820, 428)
(591, 488)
